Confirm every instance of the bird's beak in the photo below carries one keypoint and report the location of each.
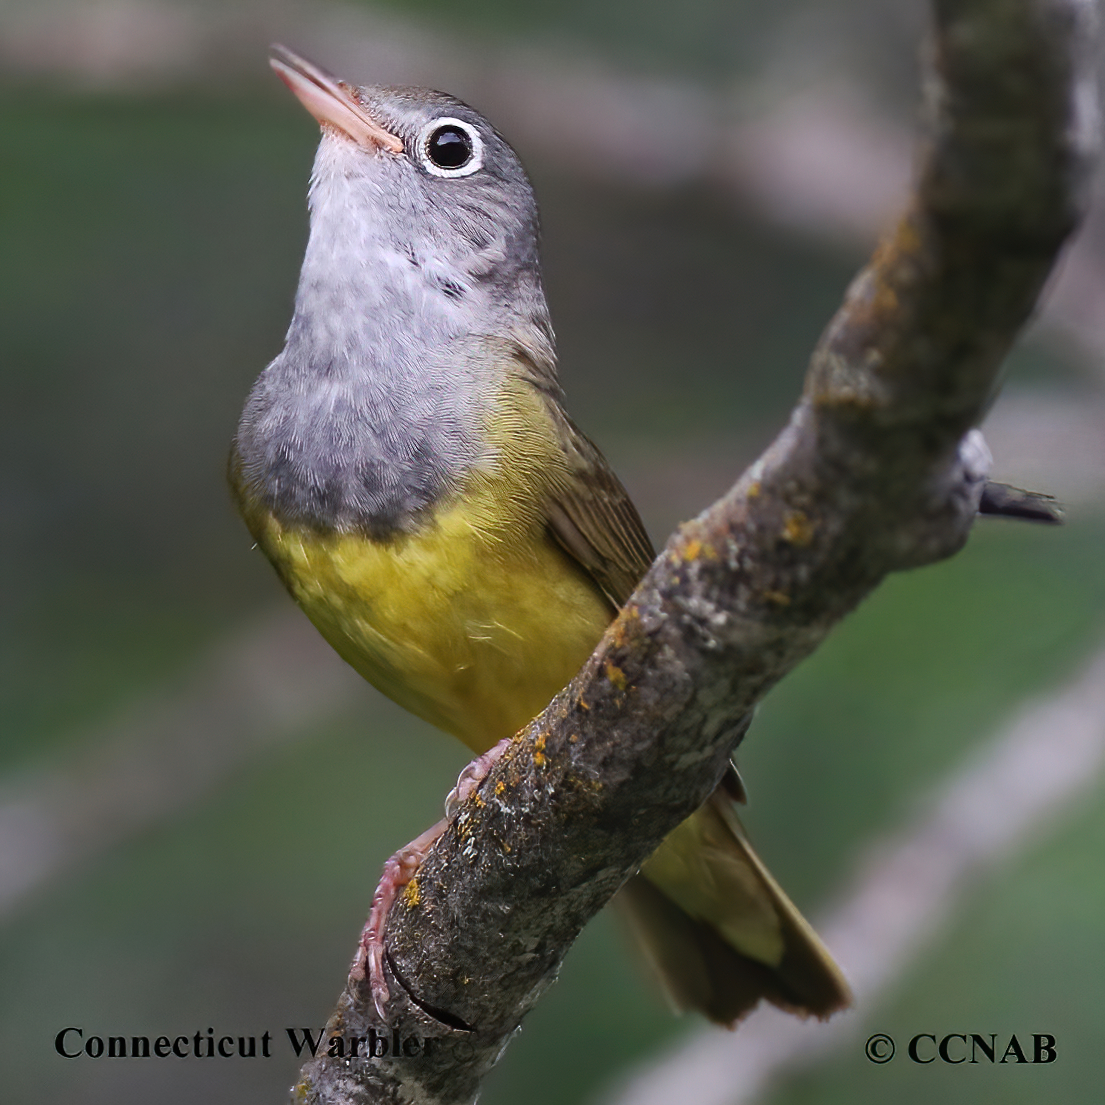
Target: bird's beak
(332, 102)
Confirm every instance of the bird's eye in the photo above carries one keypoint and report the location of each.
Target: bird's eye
(451, 147)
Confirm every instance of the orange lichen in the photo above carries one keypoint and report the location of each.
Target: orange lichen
(777, 597)
(798, 529)
(625, 625)
(616, 676)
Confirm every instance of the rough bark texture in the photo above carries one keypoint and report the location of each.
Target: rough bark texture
(878, 470)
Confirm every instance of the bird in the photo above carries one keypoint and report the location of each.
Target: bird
(407, 465)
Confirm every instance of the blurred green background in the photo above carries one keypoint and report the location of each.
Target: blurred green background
(151, 231)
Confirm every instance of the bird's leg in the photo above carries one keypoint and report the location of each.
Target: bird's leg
(398, 872)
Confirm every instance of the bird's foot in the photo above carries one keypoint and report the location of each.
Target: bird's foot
(398, 873)
(470, 778)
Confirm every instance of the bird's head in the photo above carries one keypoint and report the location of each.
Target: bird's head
(409, 177)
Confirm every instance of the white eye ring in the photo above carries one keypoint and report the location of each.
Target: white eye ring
(472, 165)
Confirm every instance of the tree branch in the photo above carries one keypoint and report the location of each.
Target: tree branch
(877, 470)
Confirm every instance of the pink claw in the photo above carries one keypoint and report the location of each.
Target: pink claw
(398, 872)
(470, 778)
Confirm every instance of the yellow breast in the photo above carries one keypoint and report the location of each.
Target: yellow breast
(475, 620)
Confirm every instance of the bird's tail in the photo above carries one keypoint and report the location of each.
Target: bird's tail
(719, 930)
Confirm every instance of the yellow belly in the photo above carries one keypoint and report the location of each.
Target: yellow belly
(470, 627)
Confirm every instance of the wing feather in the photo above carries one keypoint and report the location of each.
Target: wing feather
(591, 516)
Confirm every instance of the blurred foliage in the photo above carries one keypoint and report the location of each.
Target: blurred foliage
(932, 663)
(143, 286)
(1022, 958)
(718, 41)
(720, 37)
(151, 245)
